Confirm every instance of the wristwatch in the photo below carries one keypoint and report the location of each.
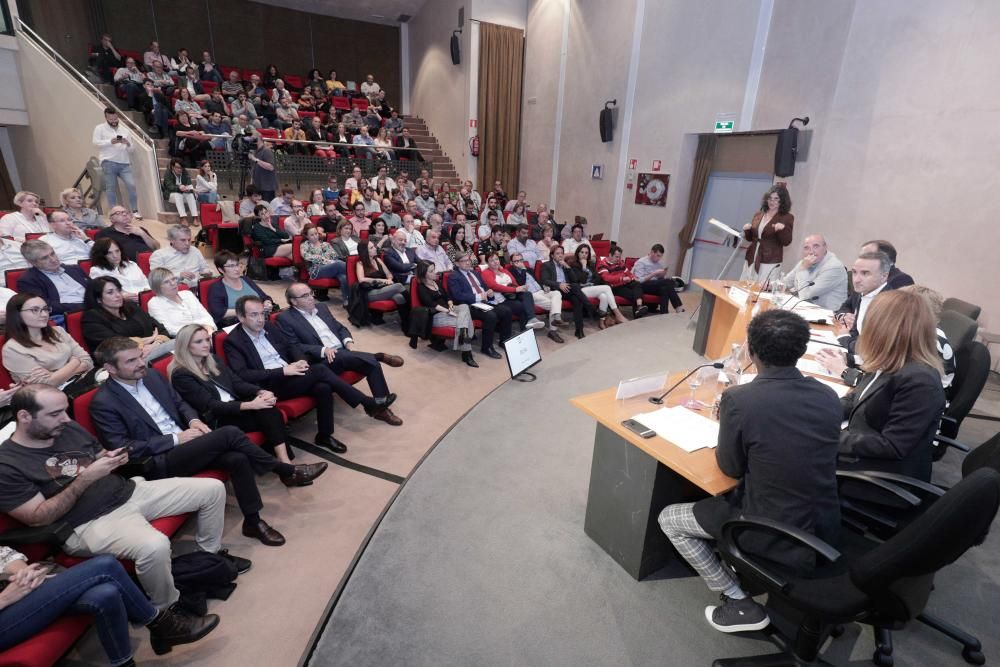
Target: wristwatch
(850, 376)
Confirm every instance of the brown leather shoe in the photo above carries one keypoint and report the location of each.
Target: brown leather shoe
(304, 474)
(388, 416)
(389, 359)
(553, 335)
(263, 532)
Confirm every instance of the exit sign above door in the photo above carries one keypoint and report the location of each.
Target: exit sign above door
(723, 126)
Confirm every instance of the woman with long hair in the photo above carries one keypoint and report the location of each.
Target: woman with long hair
(37, 351)
(109, 315)
(446, 312)
(375, 278)
(221, 397)
(583, 272)
(106, 259)
(458, 246)
(273, 242)
(894, 410)
(768, 233)
(206, 184)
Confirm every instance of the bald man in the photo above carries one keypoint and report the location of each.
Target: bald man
(820, 277)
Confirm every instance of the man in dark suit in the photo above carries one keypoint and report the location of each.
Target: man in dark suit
(313, 329)
(260, 353)
(399, 259)
(62, 286)
(405, 141)
(869, 276)
(784, 427)
(141, 412)
(467, 286)
(896, 277)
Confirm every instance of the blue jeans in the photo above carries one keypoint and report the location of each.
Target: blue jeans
(208, 197)
(112, 172)
(98, 587)
(336, 269)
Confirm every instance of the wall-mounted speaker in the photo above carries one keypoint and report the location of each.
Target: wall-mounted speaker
(785, 151)
(456, 51)
(607, 126)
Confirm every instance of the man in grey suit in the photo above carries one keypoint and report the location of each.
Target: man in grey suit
(784, 428)
(819, 277)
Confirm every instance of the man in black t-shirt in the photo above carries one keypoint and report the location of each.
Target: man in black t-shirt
(52, 471)
(131, 238)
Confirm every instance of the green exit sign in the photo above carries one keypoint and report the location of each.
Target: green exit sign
(723, 126)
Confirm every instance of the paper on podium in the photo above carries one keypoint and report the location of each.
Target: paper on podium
(682, 427)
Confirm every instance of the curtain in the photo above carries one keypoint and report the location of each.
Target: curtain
(699, 183)
(501, 71)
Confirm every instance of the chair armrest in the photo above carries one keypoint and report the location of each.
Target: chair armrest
(53, 535)
(870, 516)
(903, 480)
(732, 529)
(874, 479)
(945, 440)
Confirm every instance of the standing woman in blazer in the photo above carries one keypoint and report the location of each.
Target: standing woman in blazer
(768, 233)
(894, 410)
(222, 397)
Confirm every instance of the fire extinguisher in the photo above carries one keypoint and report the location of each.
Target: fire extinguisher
(474, 146)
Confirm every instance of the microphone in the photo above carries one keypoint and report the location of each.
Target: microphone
(795, 293)
(763, 284)
(658, 400)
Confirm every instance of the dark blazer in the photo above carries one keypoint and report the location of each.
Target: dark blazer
(549, 275)
(205, 393)
(404, 142)
(122, 422)
(218, 301)
(300, 333)
(340, 248)
(34, 281)
(853, 305)
(243, 358)
(459, 288)
(578, 276)
(771, 242)
(399, 270)
(778, 437)
(898, 279)
(99, 325)
(892, 427)
(268, 239)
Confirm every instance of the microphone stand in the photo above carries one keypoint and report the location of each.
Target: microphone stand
(658, 400)
(767, 279)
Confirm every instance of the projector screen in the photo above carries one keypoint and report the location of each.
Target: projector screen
(522, 352)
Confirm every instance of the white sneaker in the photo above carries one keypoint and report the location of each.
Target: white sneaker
(534, 323)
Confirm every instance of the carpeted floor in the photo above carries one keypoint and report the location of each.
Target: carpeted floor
(482, 558)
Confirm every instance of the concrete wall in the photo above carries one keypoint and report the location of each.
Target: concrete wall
(54, 148)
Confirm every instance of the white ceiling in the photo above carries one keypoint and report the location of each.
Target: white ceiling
(359, 10)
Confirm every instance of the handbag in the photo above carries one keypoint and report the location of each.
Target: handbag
(256, 268)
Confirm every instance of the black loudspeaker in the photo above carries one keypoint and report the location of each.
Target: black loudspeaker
(456, 53)
(606, 125)
(785, 151)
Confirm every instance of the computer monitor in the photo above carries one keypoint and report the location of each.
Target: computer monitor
(521, 352)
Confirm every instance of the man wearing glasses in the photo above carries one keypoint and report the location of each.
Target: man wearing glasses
(63, 287)
(130, 237)
(467, 286)
(314, 329)
(548, 300)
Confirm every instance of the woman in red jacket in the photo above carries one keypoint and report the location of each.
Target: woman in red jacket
(516, 297)
(768, 233)
(613, 272)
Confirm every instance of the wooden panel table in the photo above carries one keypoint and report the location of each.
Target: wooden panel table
(633, 478)
(721, 320)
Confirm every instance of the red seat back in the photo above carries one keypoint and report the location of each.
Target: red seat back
(74, 327)
(203, 288)
(144, 297)
(352, 270)
(5, 379)
(11, 276)
(31, 236)
(160, 365)
(85, 266)
(210, 216)
(81, 411)
(218, 341)
(142, 259)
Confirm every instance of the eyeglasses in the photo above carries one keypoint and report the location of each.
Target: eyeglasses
(37, 310)
(230, 266)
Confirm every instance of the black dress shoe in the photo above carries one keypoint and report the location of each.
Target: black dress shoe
(242, 565)
(438, 345)
(171, 628)
(332, 444)
(380, 403)
(263, 532)
(492, 354)
(304, 474)
(554, 335)
(469, 361)
(579, 333)
(640, 311)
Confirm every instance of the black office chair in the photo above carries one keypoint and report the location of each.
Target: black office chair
(970, 310)
(885, 586)
(972, 370)
(959, 329)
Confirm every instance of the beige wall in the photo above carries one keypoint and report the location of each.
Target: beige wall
(49, 161)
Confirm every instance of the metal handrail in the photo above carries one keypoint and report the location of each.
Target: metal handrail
(25, 29)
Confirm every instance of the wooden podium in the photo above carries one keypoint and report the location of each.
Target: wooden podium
(721, 320)
(632, 479)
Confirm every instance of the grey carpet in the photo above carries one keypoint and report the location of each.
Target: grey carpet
(482, 558)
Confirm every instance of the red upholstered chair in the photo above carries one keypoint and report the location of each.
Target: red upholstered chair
(31, 236)
(361, 103)
(144, 297)
(5, 379)
(341, 103)
(247, 73)
(142, 259)
(269, 133)
(203, 287)
(315, 283)
(11, 276)
(224, 70)
(91, 233)
(85, 266)
(276, 262)
(209, 86)
(381, 306)
(161, 364)
(293, 80)
(49, 645)
(74, 327)
(601, 248)
(211, 221)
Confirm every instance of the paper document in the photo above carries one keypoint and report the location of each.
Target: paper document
(824, 335)
(814, 367)
(739, 295)
(812, 347)
(682, 427)
(841, 389)
(641, 385)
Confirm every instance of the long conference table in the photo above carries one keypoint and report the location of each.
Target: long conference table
(633, 478)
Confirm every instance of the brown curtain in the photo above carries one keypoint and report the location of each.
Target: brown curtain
(699, 183)
(501, 70)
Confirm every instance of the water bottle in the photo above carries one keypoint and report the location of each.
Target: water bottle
(732, 367)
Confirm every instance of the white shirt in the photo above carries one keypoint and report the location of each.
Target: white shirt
(103, 134)
(178, 262)
(153, 408)
(370, 89)
(174, 316)
(5, 295)
(69, 250)
(866, 301)
(16, 225)
(326, 336)
(131, 277)
(570, 245)
(269, 357)
(414, 239)
(11, 257)
(69, 290)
